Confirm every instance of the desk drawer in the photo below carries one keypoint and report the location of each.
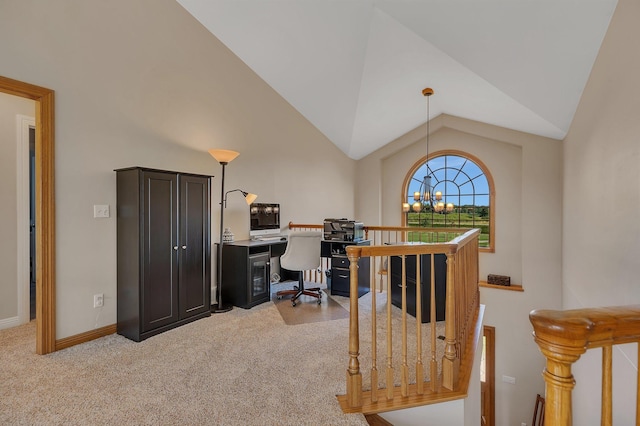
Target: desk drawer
(340, 262)
(340, 281)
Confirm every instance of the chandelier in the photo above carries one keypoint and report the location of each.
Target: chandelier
(425, 198)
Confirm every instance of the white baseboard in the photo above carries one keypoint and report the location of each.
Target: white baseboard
(9, 322)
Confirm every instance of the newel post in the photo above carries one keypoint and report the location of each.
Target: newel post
(559, 384)
(451, 360)
(354, 377)
(560, 353)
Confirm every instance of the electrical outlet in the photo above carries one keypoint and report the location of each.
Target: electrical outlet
(98, 300)
(101, 210)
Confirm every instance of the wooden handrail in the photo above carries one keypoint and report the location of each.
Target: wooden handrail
(563, 336)
(368, 228)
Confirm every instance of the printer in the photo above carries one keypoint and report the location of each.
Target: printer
(343, 230)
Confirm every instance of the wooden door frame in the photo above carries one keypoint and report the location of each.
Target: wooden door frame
(489, 333)
(45, 209)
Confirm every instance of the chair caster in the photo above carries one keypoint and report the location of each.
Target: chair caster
(293, 304)
(319, 301)
(279, 297)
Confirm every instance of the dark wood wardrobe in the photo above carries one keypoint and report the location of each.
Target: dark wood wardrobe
(164, 250)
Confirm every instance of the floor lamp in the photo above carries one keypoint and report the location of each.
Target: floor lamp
(224, 157)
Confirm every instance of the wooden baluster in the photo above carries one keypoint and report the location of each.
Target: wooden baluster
(419, 366)
(389, 343)
(450, 361)
(404, 369)
(389, 371)
(607, 402)
(433, 371)
(384, 271)
(374, 346)
(373, 268)
(354, 377)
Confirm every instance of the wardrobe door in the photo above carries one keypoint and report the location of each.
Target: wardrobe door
(160, 249)
(195, 246)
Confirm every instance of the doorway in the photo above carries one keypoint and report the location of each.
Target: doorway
(25, 223)
(44, 208)
(487, 376)
(32, 222)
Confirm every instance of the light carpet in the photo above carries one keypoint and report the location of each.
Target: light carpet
(243, 367)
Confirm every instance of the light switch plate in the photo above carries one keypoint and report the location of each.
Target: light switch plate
(509, 379)
(100, 210)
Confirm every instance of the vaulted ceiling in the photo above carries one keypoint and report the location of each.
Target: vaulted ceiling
(356, 68)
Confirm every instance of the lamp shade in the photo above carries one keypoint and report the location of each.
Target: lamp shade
(250, 198)
(223, 155)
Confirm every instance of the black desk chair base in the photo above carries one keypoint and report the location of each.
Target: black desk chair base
(300, 290)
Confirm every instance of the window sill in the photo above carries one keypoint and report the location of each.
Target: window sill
(512, 287)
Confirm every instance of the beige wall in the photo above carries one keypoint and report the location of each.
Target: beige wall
(601, 230)
(10, 108)
(143, 83)
(527, 173)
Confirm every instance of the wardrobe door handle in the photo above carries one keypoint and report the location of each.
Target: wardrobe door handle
(175, 248)
(184, 247)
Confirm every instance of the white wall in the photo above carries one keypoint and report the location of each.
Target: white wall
(601, 230)
(527, 172)
(10, 107)
(143, 83)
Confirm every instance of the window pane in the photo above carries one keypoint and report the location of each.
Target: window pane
(463, 183)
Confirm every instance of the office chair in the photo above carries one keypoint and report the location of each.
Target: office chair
(302, 254)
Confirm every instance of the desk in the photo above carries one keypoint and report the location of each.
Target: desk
(246, 271)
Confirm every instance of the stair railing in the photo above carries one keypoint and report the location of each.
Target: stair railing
(437, 380)
(563, 336)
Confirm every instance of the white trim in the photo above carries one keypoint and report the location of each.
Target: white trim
(10, 322)
(23, 123)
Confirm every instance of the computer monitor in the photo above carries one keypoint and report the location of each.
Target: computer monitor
(264, 219)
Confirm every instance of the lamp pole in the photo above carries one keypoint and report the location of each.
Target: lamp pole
(219, 307)
(224, 157)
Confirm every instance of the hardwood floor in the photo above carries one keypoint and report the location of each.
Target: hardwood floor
(376, 420)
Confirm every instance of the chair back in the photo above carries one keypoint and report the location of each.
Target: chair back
(538, 411)
(302, 252)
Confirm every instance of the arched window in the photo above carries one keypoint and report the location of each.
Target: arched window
(463, 181)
